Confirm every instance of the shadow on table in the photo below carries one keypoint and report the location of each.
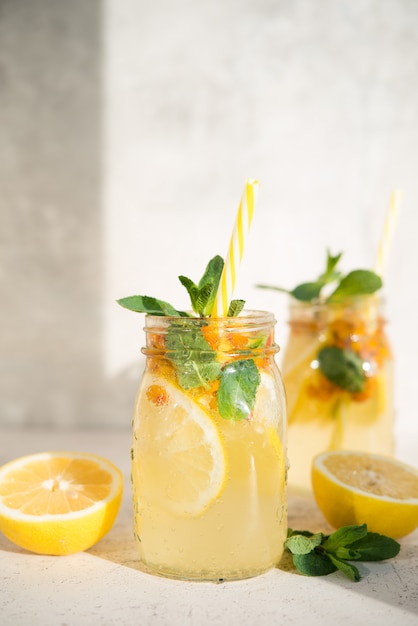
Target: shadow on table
(393, 582)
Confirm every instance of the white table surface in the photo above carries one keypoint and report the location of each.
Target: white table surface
(107, 585)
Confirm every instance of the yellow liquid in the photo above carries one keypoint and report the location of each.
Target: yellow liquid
(336, 420)
(241, 533)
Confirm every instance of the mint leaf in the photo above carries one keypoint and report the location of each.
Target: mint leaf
(312, 290)
(237, 389)
(357, 283)
(273, 288)
(305, 533)
(307, 291)
(258, 342)
(150, 305)
(348, 569)
(301, 544)
(314, 564)
(318, 554)
(342, 367)
(347, 554)
(199, 296)
(375, 547)
(212, 276)
(345, 536)
(331, 274)
(194, 359)
(332, 262)
(235, 307)
(192, 290)
(202, 296)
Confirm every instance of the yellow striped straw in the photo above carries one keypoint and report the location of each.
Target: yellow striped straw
(236, 249)
(390, 224)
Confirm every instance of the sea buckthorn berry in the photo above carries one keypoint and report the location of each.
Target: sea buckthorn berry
(157, 395)
(238, 341)
(211, 334)
(156, 340)
(341, 333)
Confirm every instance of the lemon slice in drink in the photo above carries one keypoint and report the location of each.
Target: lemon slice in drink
(178, 452)
(58, 503)
(358, 488)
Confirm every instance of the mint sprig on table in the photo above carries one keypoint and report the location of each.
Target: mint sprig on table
(316, 554)
(341, 366)
(194, 359)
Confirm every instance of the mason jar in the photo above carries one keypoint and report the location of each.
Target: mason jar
(338, 374)
(209, 448)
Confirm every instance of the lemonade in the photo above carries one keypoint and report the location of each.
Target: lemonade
(208, 454)
(338, 375)
(337, 368)
(209, 438)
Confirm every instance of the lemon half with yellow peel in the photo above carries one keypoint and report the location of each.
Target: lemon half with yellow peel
(58, 503)
(179, 458)
(357, 488)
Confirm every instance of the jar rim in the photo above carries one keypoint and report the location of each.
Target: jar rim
(369, 307)
(249, 322)
(248, 316)
(350, 301)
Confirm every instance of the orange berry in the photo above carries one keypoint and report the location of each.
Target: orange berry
(157, 395)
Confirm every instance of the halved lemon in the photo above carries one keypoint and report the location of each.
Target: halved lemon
(356, 488)
(178, 453)
(58, 502)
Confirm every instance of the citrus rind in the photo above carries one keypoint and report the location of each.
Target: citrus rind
(57, 533)
(343, 503)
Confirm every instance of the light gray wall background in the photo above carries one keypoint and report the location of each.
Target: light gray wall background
(51, 234)
(128, 129)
